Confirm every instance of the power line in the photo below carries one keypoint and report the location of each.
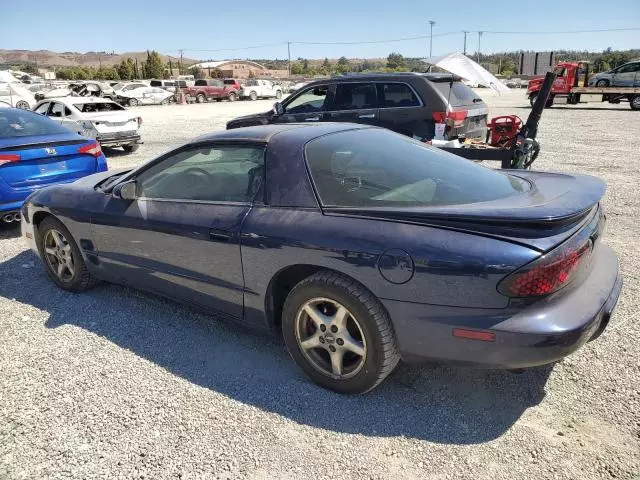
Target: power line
(406, 39)
(232, 49)
(563, 31)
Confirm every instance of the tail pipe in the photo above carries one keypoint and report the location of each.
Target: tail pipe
(11, 217)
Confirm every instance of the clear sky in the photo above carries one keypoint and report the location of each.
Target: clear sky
(166, 26)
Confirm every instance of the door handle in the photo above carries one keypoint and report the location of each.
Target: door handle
(312, 119)
(220, 235)
(368, 115)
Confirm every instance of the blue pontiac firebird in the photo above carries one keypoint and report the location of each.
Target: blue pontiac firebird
(35, 152)
(363, 246)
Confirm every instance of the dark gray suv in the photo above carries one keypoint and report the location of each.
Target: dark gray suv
(407, 103)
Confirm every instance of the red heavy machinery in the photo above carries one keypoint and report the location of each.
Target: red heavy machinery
(572, 80)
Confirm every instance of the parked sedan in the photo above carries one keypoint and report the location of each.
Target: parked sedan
(100, 118)
(144, 96)
(627, 75)
(36, 152)
(16, 95)
(361, 245)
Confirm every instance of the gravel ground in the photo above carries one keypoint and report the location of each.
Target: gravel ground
(120, 384)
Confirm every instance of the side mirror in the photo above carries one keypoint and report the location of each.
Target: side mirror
(278, 109)
(126, 191)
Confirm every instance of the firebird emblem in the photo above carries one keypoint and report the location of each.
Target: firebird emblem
(51, 151)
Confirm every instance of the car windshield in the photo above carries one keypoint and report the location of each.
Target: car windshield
(21, 123)
(98, 107)
(379, 168)
(118, 86)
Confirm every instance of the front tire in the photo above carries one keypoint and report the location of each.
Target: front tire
(339, 334)
(233, 97)
(62, 258)
(133, 102)
(634, 102)
(201, 98)
(253, 96)
(602, 83)
(23, 105)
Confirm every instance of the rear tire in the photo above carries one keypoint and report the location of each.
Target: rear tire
(634, 102)
(201, 98)
(233, 97)
(73, 279)
(356, 350)
(130, 148)
(253, 96)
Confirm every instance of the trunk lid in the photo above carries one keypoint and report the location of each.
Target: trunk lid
(550, 211)
(108, 122)
(45, 160)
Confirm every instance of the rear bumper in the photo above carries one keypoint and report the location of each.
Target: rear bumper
(542, 333)
(118, 139)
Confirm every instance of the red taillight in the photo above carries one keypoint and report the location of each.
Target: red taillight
(92, 149)
(9, 158)
(453, 119)
(550, 272)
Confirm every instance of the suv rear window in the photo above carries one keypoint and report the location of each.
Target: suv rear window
(156, 83)
(200, 83)
(460, 93)
(229, 82)
(379, 168)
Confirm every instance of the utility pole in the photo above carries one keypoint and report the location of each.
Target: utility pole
(464, 50)
(289, 56)
(180, 64)
(479, 37)
(431, 24)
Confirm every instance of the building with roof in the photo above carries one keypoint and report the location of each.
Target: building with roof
(240, 69)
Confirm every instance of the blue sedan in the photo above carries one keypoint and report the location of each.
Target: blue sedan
(362, 246)
(36, 152)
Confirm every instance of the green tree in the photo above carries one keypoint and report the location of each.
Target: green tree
(326, 65)
(305, 65)
(297, 68)
(126, 69)
(106, 73)
(217, 73)
(197, 72)
(396, 61)
(153, 66)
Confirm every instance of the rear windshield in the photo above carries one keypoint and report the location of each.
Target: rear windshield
(379, 168)
(155, 83)
(21, 123)
(460, 93)
(201, 83)
(229, 82)
(98, 107)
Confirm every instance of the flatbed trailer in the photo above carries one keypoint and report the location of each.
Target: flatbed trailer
(570, 75)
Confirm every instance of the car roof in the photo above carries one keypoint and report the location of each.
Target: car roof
(301, 132)
(70, 100)
(389, 76)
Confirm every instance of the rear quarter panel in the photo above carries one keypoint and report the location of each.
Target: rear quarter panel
(450, 268)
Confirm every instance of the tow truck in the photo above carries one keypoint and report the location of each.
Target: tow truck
(572, 80)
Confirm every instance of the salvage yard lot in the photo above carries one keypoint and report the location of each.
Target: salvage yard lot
(118, 383)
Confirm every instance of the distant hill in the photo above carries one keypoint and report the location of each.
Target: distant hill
(47, 58)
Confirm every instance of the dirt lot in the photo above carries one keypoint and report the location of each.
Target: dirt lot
(120, 384)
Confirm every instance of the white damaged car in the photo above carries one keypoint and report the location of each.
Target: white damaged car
(100, 118)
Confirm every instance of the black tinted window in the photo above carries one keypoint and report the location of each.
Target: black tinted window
(397, 95)
(155, 83)
(355, 96)
(376, 167)
(225, 174)
(21, 123)
(460, 94)
(229, 82)
(200, 83)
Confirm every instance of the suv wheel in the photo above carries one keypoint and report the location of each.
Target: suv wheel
(233, 97)
(278, 94)
(253, 95)
(201, 98)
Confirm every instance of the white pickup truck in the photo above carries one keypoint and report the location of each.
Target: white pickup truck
(255, 89)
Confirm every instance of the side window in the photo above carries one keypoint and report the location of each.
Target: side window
(67, 112)
(309, 101)
(222, 174)
(42, 109)
(57, 110)
(355, 96)
(397, 95)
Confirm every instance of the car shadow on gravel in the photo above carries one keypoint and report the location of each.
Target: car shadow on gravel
(436, 403)
(9, 230)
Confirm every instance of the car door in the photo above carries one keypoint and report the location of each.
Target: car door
(625, 75)
(401, 109)
(309, 105)
(355, 102)
(180, 237)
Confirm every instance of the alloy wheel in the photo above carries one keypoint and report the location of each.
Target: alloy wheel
(57, 251)
(23, 105)
(330, 338)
